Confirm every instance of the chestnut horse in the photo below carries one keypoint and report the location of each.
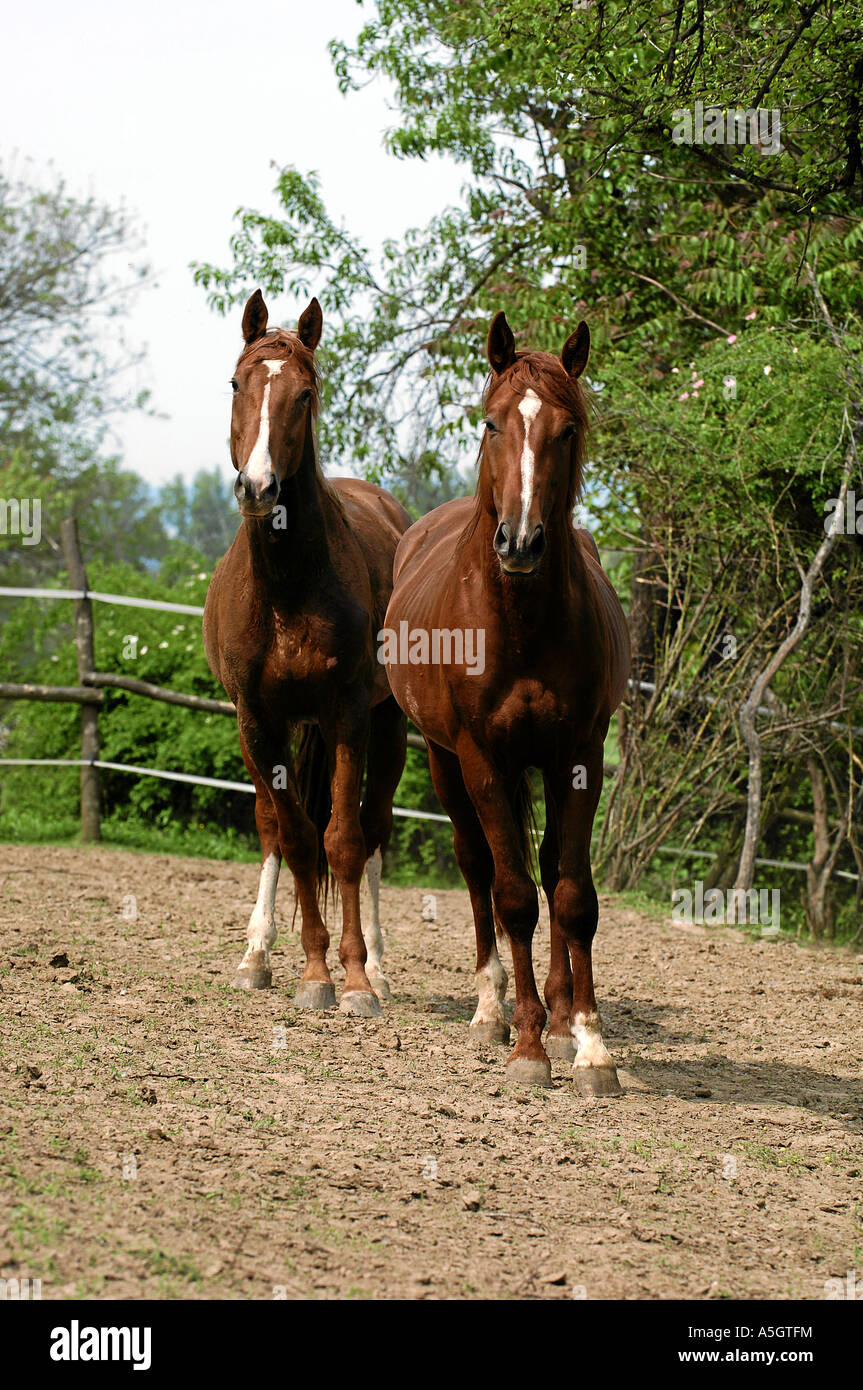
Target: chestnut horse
(289, 628)
(507, 569)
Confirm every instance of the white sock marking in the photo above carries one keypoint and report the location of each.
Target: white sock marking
(528, 408)
(591, 1051)
(262, 925)
(372, 934)
(491, 983)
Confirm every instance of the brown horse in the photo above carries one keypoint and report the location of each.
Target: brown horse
(506, 644)
(289, 629)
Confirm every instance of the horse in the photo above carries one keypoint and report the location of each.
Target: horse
(507, 646)
(288, 627)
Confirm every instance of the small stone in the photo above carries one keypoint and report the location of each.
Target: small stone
(703, 1092)
(154, 1132)
(60, 960)
(471, 1199)
(33, 1072)
(556, 1277)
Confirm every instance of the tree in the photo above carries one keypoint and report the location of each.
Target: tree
(202, 514)
(578, 198)
(60, 302)
(697, 254)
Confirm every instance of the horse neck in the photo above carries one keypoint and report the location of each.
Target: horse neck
(287, 556)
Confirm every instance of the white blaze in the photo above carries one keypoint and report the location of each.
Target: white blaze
(259, 466)
(528, 409)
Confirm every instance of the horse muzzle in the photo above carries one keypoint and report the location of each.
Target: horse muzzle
(522, 554)
(256, 498)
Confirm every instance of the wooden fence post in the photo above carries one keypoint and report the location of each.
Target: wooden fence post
(84, 647)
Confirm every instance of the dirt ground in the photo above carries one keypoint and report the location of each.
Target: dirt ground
(163, 1135)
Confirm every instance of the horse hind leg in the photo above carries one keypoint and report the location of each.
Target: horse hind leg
(254, 970)
(489, 1023)
(385, 764)
(558, 984)
(284, 826)
(372, 934)
(576, 911)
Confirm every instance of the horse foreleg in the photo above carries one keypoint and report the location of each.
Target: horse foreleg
(345, 845)
(474, 859)
(576, 912)
(516, 905)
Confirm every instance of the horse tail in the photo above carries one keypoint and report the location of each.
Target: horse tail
(524, 814)
(312, 768)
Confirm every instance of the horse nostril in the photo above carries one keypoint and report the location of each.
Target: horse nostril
(245, 490)
(501, 539)
(536, 544)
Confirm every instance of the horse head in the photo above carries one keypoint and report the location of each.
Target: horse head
(275, 385)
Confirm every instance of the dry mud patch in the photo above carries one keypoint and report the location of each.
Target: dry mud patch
(162, 1135)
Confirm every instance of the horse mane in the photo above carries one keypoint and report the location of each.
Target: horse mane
(282, 342)
(543, 373)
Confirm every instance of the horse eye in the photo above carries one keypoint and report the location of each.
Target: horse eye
(566, 433)
(235, 384)
(304, 396)
(491, 426)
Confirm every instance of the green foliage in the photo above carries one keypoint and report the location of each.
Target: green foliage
(162, 648)
(420, 851)
(707, 273)
(564, 119)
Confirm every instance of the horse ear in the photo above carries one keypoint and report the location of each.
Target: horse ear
(501, 344)
(310, 325)
(255, 318)
(576, 351)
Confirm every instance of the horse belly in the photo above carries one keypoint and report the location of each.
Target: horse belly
(417, 605)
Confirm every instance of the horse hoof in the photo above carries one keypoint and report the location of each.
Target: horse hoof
(596, 1081)
(561, 1046)
(253, 976)
(529, 1071)
(355, 1001)
(481, 1034)
(314, 994)
(381, 986)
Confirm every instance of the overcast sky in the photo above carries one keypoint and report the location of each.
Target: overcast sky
(176, 110)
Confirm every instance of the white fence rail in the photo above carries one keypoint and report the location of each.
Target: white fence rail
(84, 595)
